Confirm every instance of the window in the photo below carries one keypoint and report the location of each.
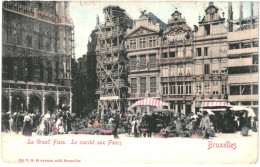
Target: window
(165, 89)
(133, 44)
(223, 87)
(245, 89)
(235, 90)
(143, 85)
(180, 88)
(206, 51)
(198, 51)
(198, 88)
(28, 41)
(215, 87)
(188, 88)
(234, 46)
(246, 103)
(206, 69)
(152, 42)
(206, 87)
(255, 89)
(153, 85)
(214, 71)
(172, 70)
(152, 61)
(180, 71)
(172, 54)
(142, 62)
(188, 70)
(255, 59)
(246, 44)
(255, 102)
(207, 29)
(133, 63)
(165, 55)
(255, 44)
(142, 43)
(165, 72)
(40, 44)
(172, 88)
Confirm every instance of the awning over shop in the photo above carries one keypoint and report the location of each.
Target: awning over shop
(150, 102)
(213, 103)
(250, 111)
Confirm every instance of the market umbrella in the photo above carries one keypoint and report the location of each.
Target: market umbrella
(242, 108)
(150, 102)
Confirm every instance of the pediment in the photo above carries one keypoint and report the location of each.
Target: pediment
(141, 31)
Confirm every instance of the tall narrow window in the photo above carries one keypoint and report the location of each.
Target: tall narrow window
(133, 63)
(188, 70)
(165, 89)
(142, 43)
(165, 72)
(215, 87)
(188, 88)
(133, 44)
(207, 29)
(206, 87)
(153, 85)
(206, 51)
(172, 54)
(206, 69)
(133, 85)
(223, 87)
(180, 88)
(152, 42)
(142, 62)
(198, 88)
(143, 85)
(180, 71)
(152, 61)
(172, 88)
(198, 51)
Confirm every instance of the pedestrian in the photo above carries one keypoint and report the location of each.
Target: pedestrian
(47, 124)
(205, 125)
(115, 124)
(69, 119)
(27, 127)
(11, 121)
(59, 125)
(14, 121)
(5, 121)
(19, 122)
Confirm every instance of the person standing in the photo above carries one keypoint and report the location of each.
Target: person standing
(5, 120)
(115, 124)
(27, 127)
(68, 122)
(205, 125)
(19, 122)
(47, 124)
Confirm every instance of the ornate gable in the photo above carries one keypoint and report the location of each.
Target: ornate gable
(141, 31)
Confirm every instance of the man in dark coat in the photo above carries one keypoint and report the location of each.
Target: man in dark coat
(115, 124)
(19, 122)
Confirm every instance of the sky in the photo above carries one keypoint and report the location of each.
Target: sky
(84, 14)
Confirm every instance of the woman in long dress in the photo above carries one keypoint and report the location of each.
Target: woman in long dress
(59, 125)
(27, 130)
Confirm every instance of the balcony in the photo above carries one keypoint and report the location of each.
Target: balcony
(142, 95)
(243, 78)
(176, 78)
(176, 60)
(243, 97)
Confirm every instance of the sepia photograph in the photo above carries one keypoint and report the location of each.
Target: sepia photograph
(129, 82)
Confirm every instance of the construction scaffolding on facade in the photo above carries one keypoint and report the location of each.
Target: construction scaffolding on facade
(112, 60)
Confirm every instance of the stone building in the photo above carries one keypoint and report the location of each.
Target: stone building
(37, 47)
(176, 64)
(143, 46)
(243, 39)
(84, 79)
(210, 57)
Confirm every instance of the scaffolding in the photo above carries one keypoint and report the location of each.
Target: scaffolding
(112, 60)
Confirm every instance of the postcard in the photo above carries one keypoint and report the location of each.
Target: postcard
(129, 82)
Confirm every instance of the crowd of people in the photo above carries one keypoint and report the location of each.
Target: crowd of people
(134, 124)
(50, 123)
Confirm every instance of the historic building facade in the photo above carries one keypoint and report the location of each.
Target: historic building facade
(176, 64)
(243, 60)
(143, 46)
(37, 46)
(210, 57)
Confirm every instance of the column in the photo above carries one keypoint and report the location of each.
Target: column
(10, 102)
(184, 108)
(43, 99)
